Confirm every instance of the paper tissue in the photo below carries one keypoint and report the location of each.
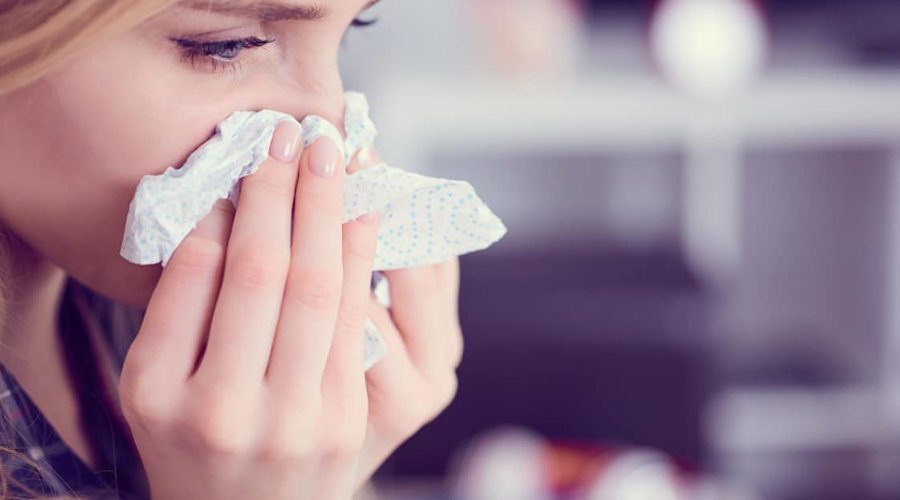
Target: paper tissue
(423, 220)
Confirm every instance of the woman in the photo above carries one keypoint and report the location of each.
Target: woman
(245, 377)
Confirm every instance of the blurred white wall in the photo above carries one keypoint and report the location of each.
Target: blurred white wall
(411, 36)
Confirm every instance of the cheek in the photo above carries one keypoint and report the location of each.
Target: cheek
(103, 123)
(131, 122)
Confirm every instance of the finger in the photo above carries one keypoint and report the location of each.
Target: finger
(449, 278)
(367, 157)
(395, 370)
(355, 165)
(173, 332)
(424, 316)
(448, 275)
(344, 370)
(313, 289)
(256, 266)
(398, 393)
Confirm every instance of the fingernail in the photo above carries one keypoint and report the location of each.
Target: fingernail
(369, 217)
(323, 157)
(286, 142)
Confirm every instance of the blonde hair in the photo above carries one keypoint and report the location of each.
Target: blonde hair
(36, 36)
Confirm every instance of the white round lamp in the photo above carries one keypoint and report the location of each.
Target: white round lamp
(712, 49)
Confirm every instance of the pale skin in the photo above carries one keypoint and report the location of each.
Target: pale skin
(246, 379)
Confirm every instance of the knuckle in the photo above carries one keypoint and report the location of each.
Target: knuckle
(346, 418)
(322, 202)
(213, 440)
(256, 269)
(197, 259)
(410, 413)
(360, 250)
(457, 346)
(218, 429)
(447, 389)
(316, 289)
(225, 208)
(422, 403)
(407, 421)
(269, 183)
(138, 362)
(140, 400)
(353, 313)
(420, 283)
(343, 443)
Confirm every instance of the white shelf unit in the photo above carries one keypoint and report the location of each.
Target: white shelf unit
(636, 112)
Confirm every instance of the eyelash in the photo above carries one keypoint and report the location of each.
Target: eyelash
(223, 54)
(220, 54)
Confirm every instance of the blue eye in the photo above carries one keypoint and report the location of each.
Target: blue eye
(223, 54)
(218, 52)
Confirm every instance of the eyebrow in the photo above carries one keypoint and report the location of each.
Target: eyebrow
(265, 11)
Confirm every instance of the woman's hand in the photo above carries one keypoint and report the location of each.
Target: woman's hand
(416, 380)
(246, 379)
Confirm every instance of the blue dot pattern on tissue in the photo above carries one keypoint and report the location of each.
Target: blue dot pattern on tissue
(425, 220)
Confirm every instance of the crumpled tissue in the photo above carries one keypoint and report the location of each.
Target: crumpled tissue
(423, 220)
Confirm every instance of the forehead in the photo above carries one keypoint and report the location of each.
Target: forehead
(276, 10)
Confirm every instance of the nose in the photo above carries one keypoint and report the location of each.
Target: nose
(322, 98)
(329, 107)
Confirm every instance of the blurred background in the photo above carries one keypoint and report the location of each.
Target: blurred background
(699, 294)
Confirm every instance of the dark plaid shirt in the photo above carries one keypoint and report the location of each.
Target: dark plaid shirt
(95, 334)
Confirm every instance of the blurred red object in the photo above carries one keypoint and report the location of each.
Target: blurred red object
(516, 464)
(593, 472)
